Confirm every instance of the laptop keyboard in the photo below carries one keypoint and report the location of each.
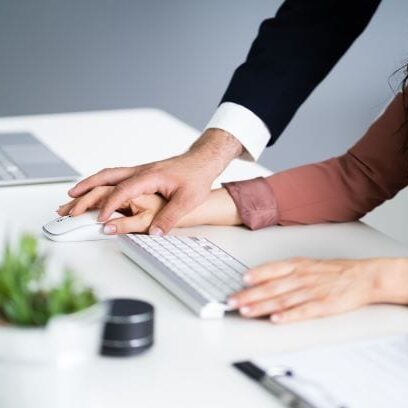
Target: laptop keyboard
(8, 169)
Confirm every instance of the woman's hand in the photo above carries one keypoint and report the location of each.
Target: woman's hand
(300, 288)
(139, 212)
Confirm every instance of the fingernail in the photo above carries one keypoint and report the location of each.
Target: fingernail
(70, 211)
(156, 231)
(109, 229)
(232, 303)
(247, 278)
(245, 310)
(276, 317)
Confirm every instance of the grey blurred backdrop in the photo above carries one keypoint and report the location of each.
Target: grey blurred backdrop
(59, 56)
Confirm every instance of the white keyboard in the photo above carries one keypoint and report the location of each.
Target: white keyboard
(195, 270)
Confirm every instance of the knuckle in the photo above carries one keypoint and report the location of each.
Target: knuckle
(271, 287)
(99, 189)
(155, 177)
(282, 303)
(149, 171)
(259, 293)
(104, 171)
(149, 166)
(121, 189)
(148, 178)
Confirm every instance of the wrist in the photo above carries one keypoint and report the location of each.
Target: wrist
(218, 146)
(390, 281)
(218, 209)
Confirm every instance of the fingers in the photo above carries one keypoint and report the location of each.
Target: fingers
(277, 304)
(308, 289)
(86, 202)
(130, 188)
(65, 208)
(270, 270)
(125, 225)
(304, 311)
(104, 177)
(90, 200)
(178, 206)
(283, 290)
(265, 291)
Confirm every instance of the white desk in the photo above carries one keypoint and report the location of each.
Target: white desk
(189, 366)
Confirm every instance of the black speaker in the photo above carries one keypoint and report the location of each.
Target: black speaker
(129, 328)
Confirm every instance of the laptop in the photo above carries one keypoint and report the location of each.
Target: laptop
(26, 160)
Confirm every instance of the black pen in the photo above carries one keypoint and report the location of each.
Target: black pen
(286, 396)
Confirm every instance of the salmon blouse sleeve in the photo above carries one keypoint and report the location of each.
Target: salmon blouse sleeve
(340, 189)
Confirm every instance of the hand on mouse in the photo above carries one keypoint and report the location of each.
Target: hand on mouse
(139, 212)
(218, 209)
(184, 180)
(300, 289)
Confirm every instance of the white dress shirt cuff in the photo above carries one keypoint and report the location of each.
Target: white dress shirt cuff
(243, 124)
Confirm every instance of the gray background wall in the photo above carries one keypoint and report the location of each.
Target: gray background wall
(178, 55)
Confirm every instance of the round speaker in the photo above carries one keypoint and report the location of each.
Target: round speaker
(129, 328)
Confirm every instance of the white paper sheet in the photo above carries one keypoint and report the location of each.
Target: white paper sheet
(369, 374)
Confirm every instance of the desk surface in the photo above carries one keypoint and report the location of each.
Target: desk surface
(189, 366)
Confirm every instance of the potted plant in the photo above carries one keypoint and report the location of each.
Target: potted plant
(48, 331)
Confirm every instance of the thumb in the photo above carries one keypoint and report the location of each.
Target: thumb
(178, 206)
(126, 225)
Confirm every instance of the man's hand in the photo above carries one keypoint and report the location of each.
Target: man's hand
(185, 180)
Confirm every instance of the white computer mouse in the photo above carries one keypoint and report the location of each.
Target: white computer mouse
(84, 227)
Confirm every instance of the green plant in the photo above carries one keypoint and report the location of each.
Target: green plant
(24, 300)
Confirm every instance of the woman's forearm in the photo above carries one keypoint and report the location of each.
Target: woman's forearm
(218, 209)
(340, 189)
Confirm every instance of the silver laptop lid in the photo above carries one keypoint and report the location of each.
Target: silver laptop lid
(26, 160)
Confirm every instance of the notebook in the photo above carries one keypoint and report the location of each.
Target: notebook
(366, 374)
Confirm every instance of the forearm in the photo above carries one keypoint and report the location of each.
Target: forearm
(309, 194)
(218, 209)
(330, 191)
(337, 190)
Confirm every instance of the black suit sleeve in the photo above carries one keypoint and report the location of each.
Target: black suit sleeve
(292, 54)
